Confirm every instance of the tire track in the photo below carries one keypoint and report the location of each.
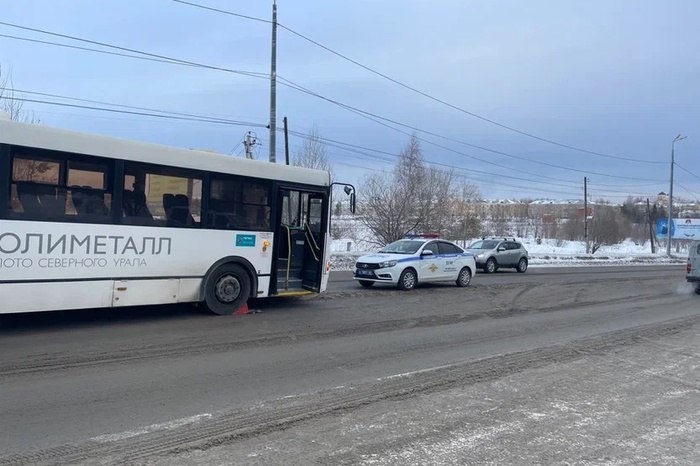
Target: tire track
(58, 363)
(284, 413)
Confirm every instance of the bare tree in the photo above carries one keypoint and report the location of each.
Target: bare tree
(10, 103)
(416, 198)
(466, 223)
(390, 205)
(573, 229)
(313, 153)
(607, 228)
(386, 211)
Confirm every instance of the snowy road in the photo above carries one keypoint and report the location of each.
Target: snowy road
(572, 365)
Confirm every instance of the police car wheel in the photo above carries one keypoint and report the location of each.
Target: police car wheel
(407, 280)
(366, 283)
(464, 277)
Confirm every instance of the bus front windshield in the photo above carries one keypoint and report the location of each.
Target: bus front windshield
(402, 247)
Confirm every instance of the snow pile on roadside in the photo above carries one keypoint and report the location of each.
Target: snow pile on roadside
(547, 253)
(557, 252)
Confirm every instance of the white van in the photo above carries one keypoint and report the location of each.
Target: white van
(693, 269)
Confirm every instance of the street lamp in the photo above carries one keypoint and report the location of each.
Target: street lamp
(670, 195)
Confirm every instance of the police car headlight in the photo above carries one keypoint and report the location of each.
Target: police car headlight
(479, 256)
(387, 264)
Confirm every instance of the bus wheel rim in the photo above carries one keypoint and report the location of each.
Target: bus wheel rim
(228, 288)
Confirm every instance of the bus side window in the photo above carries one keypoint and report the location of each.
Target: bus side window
(37, 182)
(157, 195)
(89, 193)
(238, 203)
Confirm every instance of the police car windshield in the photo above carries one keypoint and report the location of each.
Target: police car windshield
(484, 245)
(402, 247)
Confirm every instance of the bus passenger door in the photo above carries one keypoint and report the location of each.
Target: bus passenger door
(300, 241)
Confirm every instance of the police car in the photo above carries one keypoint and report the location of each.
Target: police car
(413, 260)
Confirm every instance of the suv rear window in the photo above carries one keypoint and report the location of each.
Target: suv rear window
(484, 244)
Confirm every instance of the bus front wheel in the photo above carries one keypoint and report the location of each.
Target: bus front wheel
(227, 289)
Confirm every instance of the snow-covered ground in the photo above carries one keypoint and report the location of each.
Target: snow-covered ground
(549, 252)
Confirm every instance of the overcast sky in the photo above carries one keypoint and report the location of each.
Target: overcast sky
(618, 77)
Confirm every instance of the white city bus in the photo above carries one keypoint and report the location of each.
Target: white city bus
(89, 221)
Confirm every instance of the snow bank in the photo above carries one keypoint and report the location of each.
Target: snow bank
(549, 253)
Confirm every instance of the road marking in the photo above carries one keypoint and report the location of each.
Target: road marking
(152, 428)
(412, 373)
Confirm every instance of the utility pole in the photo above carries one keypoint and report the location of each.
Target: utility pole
(651, 230)
(585, 212)
(286, 142)
(273, 86)
(670, 195)
(249, 142)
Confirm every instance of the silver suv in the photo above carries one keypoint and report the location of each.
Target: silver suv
(493, 253)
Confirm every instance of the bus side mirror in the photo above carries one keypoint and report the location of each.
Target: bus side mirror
(349, 191)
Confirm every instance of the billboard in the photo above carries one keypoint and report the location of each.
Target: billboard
(681, 228)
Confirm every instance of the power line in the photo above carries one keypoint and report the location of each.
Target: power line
(130, 112)
(687, 171)
(471, 170)
(371, 116)
(124, 49)
(462, 153)
(354, 148)
(87, 49)
(458, 175)
(635, 185)
(131, 107)
(423, 93)
(460, 109)
(170, 60)
(147, 111)
(688, 189)
(230, 13)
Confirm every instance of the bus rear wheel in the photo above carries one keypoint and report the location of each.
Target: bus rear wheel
(227, 289)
